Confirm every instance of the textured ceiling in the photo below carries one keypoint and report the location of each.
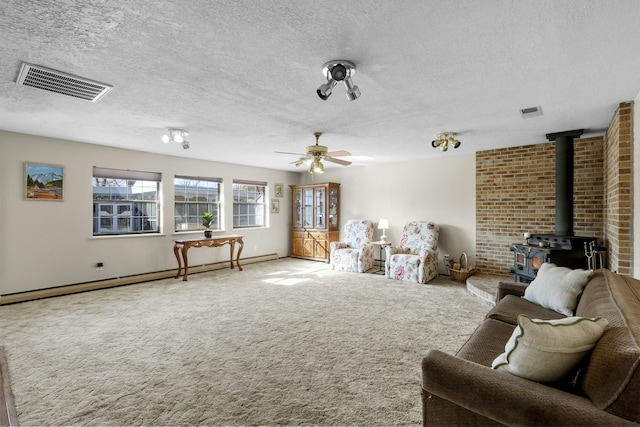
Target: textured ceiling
(241, 76)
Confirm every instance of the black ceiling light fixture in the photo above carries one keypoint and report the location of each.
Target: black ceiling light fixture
(338, 70)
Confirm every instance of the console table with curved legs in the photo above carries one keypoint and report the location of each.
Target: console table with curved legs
(181, 246)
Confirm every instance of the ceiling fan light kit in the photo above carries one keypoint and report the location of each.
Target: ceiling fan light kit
(445, 140)
(316, 166)
(176, 135)
(338, 70)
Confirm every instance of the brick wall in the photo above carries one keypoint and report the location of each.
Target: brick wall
(618, 190)
(515, 193)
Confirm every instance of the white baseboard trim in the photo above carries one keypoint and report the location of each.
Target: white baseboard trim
(120, 281)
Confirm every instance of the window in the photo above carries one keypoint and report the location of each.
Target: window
(248, 204)
(193, 197)
(125, 202)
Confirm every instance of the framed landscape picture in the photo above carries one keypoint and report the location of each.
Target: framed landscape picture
(43, 182)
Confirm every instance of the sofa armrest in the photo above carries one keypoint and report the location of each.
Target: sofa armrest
(510, 288)
(506, 398)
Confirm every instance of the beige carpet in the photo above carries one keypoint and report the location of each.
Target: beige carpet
(285, 342)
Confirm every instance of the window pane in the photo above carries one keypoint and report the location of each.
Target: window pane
(195, 196)
(180, 210)
(119, 208)
(118, 193)
(248, 207)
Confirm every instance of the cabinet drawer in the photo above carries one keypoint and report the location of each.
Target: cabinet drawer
(297, 234)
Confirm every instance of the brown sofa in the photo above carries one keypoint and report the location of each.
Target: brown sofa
(465, 390)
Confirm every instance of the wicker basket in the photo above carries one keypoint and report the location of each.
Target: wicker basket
(460, 272)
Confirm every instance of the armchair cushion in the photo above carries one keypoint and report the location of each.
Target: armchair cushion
(355, 252)
(405, 267)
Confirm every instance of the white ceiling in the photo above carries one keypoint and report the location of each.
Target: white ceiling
(241, 76)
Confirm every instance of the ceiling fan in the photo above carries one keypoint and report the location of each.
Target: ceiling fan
(316, 153)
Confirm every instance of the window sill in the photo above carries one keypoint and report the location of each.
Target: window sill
(262, 227)
(124, 236)
(192, 232)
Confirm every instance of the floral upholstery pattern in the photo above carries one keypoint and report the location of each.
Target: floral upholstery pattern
(355, 253)
(416, 258)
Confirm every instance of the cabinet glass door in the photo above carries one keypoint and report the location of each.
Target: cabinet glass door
(297, 208)
(308, 207)
(333, 208)
(320, 207)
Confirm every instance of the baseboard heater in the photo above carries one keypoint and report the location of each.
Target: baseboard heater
(125, 280)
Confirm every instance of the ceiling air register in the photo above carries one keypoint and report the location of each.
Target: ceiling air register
(66, 84)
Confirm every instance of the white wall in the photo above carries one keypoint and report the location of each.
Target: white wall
(46, 244)
(442, 190)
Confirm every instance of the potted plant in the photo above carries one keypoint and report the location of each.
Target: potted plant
(207, 219)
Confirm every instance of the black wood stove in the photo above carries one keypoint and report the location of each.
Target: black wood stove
(566, 251)
(562, 248)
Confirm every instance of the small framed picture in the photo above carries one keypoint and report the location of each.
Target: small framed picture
(275, 206)
(278, 190)
(43, 182)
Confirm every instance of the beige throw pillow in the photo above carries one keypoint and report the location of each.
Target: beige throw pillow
(557, 288)
(549, 350)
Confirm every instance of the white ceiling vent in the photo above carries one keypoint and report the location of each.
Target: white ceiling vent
(59, 82)
(531, 112)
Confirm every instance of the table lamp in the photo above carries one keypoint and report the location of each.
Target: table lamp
(383, 224)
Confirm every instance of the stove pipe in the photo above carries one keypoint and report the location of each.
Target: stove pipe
(564, 180)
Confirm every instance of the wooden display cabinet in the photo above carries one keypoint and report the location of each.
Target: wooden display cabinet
(315, 222)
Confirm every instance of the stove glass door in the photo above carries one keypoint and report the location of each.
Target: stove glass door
(537, 260)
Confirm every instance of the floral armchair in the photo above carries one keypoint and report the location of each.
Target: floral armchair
(416, 258)
(355, 254)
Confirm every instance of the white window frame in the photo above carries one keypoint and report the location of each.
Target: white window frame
(194, 208)
(125, 202)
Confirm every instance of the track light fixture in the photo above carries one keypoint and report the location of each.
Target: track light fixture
(445, 140)
(176, 135)
(338, 70)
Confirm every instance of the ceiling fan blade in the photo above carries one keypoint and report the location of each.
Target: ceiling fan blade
(301, 161)
(338, 161)
(341, 153)
(286, 152)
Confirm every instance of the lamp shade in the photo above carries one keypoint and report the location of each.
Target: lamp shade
(383, 224)
(316, 166)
